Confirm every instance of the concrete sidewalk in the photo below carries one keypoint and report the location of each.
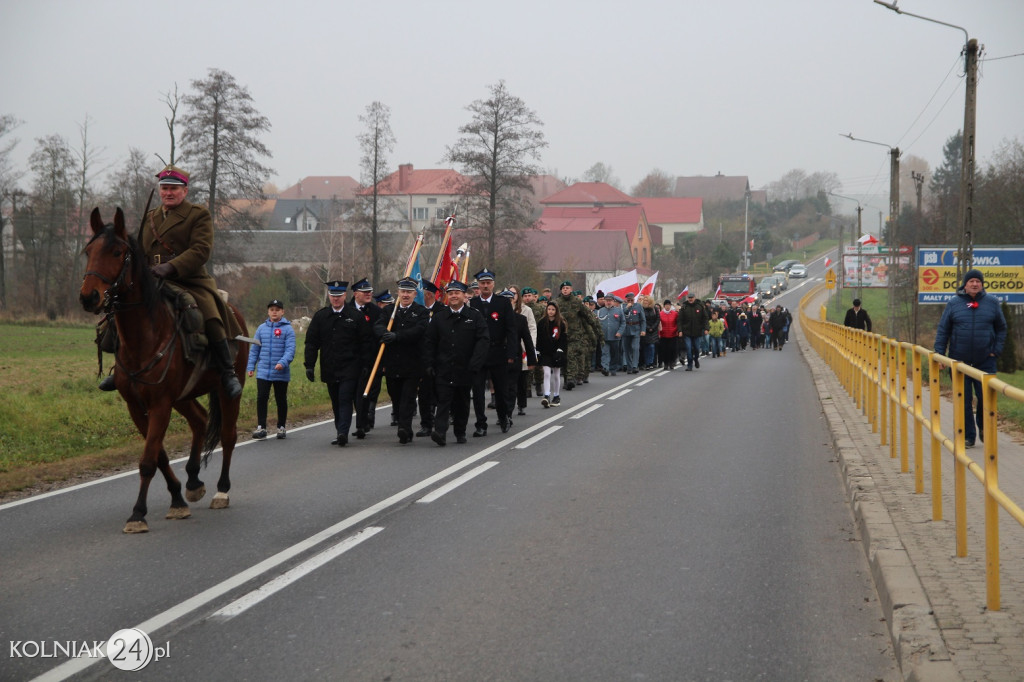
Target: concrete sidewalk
(933, 600)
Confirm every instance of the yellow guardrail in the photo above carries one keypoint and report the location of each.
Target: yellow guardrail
(885, 379)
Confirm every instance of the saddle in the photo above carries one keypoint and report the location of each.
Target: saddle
(188, 321)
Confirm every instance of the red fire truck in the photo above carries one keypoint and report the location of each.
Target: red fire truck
(737, 287)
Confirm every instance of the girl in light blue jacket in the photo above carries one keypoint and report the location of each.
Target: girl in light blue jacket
(269, 360)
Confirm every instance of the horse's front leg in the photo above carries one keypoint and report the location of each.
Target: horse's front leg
(228, 438)
(155, 429)
(195, 415)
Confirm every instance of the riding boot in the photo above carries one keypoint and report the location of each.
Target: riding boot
(108, 383)
(222, 359)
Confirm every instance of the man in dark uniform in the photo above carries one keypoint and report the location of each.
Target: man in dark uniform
(454, 350)
(403, 361)
(427, 398)
(344, 345)
(177, 238)
(504, 349)
(368, 313)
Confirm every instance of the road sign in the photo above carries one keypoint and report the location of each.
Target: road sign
(830, 279)
(1003, 268)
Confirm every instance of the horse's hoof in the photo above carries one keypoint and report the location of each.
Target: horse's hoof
(135, 527)
(219, 501)
(178, 513)
(196, 495)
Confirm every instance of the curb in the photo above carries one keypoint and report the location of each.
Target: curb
(915, 635)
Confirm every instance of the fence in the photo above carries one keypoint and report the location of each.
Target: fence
(885, 378)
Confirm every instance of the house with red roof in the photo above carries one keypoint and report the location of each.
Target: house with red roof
(717, 188)
(674, 216)
(416, 199)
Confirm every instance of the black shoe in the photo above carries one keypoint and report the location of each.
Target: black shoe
(423, 433)
(404, 436)
(108, 383)
(570, 384)
(340, 441)
(480, 432)
(614, 374)
(460, 439)
(604, 372)
(394, 422)
(696, 363)
(490, 405)
(359, 433)
(689, 369)
(438, 438)
(522, 412)
(506, 424)
(981, 435)
(968, 443)
(586, 380)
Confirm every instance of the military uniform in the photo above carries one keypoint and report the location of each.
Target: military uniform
(343, 341)
(403, 359)
(577, 322)
(455, 347)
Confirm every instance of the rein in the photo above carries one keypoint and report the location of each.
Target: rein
(112, 305)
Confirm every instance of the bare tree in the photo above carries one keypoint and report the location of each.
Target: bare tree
(45, 236)
(599, 172)
(496, 150)
(376, 142)
(130, 185)
(221, 142)
(789, 187)
(173, 101)
(86, 159)
(657, 183)
(8, 192)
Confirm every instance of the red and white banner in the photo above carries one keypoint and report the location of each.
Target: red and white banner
(867, 240)
(620, 285)
(648, 288)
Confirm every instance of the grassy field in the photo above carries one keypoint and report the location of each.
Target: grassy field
(55, 424)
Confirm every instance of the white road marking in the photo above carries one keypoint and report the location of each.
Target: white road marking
(619, 395)
(246, 602)
(455, 483)
(536, 439)
(584, 413)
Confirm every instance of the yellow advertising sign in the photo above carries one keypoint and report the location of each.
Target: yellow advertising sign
(830, 279)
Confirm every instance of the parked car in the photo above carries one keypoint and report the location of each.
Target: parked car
(785, 265)
(798, 270)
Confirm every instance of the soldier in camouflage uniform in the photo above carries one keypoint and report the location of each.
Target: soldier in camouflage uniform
(577, 322)
(593, 341)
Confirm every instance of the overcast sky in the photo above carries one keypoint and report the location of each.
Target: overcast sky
(741, 87)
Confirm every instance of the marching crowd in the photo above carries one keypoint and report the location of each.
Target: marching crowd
(488, 349)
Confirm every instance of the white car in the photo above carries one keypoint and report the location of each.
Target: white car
(798, 270)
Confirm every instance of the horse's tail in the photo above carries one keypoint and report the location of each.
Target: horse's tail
(213, 423)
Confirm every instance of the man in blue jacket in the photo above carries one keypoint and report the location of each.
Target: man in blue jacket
(973, 329)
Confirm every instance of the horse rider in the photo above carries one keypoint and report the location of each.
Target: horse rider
(177, 238)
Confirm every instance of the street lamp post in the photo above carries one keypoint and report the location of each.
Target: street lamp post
(860, 268)
(894, 212)
(971, 52)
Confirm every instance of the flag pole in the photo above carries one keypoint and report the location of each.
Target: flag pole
(394, 309)
(449, 225)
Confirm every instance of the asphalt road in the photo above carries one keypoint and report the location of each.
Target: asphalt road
(665, 526)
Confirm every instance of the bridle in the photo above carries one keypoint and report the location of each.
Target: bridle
(112, 304)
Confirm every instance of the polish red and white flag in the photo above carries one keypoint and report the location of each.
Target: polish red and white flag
(867, 240)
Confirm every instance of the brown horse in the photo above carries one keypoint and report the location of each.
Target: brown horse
(152, 373)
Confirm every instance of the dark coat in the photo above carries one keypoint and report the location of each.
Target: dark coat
(653, 325)
(858, 319)
(693, 319)
(403, 357)
(501, 328)
(972, 334)
(455, 345)
(184, 238)
(343, 341)
(552, 343)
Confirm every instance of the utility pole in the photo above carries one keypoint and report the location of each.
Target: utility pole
(918, 179)
(965, 259)
(894, 244)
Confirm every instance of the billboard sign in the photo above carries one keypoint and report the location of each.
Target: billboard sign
(1003, 268)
